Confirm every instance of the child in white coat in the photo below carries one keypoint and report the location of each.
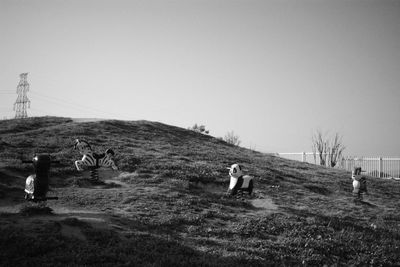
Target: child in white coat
(359, 183)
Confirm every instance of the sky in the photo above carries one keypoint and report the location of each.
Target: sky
(274, 71)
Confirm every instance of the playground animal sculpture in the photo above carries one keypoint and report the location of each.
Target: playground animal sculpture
(239, 183)
(359, 183)
(91, 159)
(37, 185)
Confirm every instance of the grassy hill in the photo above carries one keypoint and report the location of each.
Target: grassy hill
(166, 204)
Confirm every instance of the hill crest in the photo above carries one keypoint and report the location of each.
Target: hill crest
(172, 181)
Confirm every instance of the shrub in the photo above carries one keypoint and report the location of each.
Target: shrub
(199, 129)
(232, 138)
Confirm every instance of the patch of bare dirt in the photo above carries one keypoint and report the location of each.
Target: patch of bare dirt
(265, 204)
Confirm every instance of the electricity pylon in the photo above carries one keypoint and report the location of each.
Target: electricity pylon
(22, 101)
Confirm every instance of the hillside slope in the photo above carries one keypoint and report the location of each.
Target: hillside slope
(166, 204)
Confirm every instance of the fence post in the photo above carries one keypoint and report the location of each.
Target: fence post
(380, 167)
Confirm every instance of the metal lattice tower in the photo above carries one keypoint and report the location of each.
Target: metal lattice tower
(22, 101)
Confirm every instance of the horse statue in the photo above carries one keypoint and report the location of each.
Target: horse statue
(93, 160)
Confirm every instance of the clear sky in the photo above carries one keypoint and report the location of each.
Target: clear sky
(273, 71)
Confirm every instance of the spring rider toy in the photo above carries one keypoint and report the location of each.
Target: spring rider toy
(93, 160)
(239, 183)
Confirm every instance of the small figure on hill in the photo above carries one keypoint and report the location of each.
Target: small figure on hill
(239, 183)
(37, 185)
(93, 160)
(359, 183)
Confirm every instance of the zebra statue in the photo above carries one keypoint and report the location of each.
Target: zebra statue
(93, 160)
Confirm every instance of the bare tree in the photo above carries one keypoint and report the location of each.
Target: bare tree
(329, 150)
(232, 138)
(335, 150)
(319, 147)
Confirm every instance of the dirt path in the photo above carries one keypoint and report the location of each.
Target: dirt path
(265, 205)
(112, 203)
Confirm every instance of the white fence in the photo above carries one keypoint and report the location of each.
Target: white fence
(374, 166)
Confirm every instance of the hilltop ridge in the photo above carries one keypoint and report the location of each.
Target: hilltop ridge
(169, 197)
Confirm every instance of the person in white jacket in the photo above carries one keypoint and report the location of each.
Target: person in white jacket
(359, 183)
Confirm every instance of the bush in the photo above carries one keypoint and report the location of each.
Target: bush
(199, 129)
(232, 138)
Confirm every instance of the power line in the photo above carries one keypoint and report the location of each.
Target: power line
(42, 112)
(69, 104)
(66, 103)
(54, 83)
(22, 102)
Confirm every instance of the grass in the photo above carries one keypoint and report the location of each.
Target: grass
(167, 206)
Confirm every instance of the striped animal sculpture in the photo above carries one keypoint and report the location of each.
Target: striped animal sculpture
(91, 159)
(359, 182)
(239, 182)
